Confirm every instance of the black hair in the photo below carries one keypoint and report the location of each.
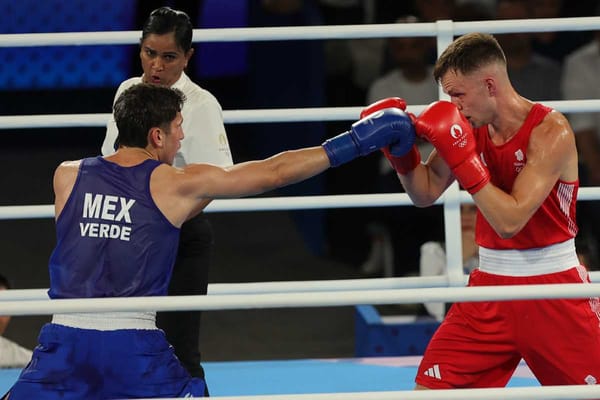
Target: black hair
(166, 20)
(143, 107)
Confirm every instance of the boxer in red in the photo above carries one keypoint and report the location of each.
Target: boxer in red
(518, 160)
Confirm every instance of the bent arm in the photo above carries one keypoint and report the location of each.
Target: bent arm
(551, 155)
(428, 181)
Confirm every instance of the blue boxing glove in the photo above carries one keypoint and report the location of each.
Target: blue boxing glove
(377, 130)
(402, 159)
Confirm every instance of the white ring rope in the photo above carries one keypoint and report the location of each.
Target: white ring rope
(250, 204)
(437, 281)
(284, 203)
(567, 392)
(309, 32)
(299, 299)
(281, 286)
(251, 116)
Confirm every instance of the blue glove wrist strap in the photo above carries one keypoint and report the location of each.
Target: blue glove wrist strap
(341, 149)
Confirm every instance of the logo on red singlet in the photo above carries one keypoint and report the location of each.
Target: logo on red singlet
(590, 380)
(520, 163)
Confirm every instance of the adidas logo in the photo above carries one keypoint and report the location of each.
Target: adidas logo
(434, 372)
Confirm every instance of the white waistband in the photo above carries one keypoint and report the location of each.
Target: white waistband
(107, 321)
(544, 260)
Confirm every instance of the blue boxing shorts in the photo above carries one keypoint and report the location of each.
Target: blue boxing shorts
(75, 363)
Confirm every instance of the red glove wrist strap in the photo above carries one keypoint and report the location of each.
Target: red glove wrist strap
(472, 174)
(406, 163)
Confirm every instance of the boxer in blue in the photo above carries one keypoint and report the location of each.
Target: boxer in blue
(117, 227)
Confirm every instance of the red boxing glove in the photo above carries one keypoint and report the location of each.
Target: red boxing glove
(390, 102)
(402, 164)
(443, 125)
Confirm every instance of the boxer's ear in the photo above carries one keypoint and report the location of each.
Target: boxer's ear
(156, 137)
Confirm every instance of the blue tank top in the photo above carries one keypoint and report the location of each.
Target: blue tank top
(112, 240)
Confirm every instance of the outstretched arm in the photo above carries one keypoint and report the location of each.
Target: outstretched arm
(180, 192)
(255, 177)
(183, 193)
(365, 136)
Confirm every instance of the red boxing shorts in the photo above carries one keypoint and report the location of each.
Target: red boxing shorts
(480, 344)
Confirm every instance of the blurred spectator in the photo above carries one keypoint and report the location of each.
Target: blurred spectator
(474, 10)
(484, 7)
(410, 77)
(435, 10)
(12, 355)
(353, 64)
(581, 80)
(401, 230)
(557, 45)
(433, 256)
(432, 11)
(533, 76)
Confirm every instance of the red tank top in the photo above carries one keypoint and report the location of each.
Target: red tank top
(554, 222)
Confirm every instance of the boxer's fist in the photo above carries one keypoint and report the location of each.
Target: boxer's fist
(402, 157)
(443, 125)
(379, 129)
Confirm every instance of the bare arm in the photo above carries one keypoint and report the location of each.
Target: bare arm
(181, 193)
(551, 155)
(426, 183)
(64, 180)
(255, 177)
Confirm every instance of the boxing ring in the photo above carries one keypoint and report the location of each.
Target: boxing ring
(346, 292)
